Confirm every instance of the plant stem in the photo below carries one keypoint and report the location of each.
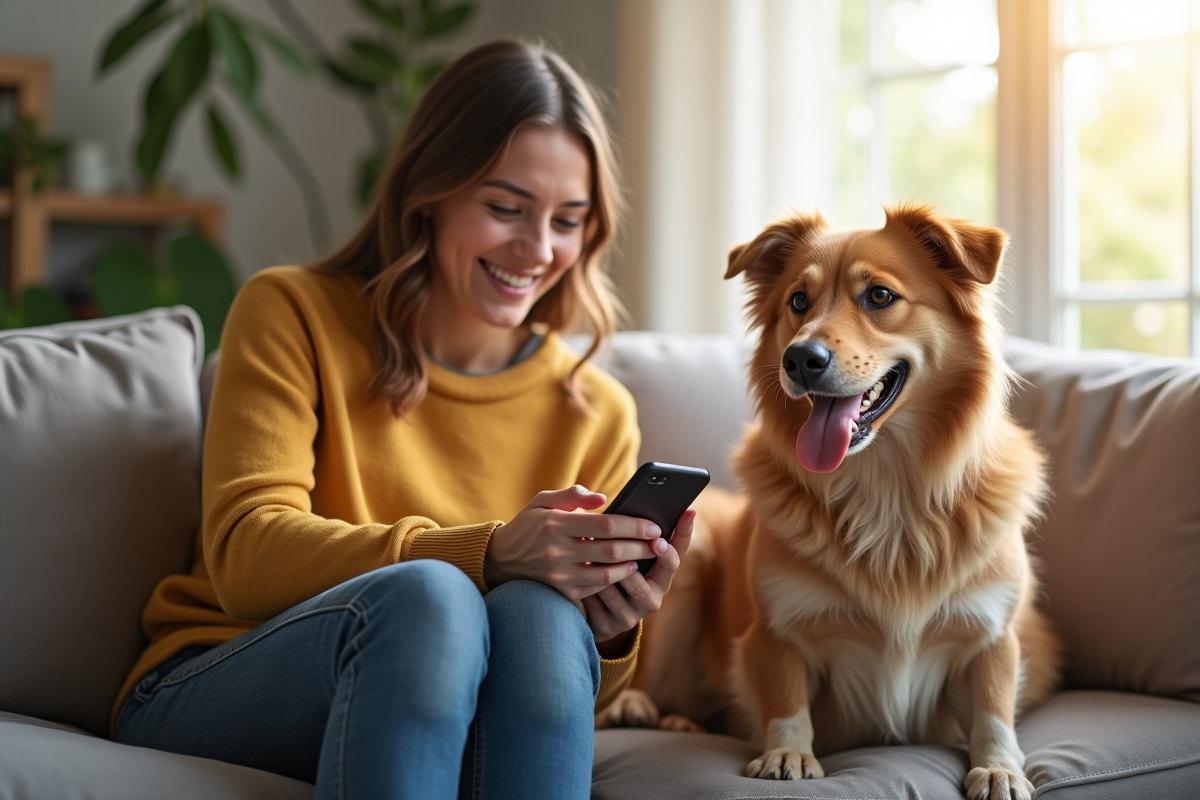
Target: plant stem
(310, 190)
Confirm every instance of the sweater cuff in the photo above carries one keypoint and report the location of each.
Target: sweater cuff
(464, 547)
(616, 673)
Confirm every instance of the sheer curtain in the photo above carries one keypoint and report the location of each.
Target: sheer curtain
(723, 121)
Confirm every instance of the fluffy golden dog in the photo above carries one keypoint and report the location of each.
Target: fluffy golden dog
(872, 584)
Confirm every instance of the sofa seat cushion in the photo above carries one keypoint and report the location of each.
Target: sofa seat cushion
(40, 759)
(666, 765)
(1078, 746)
(1113, 746)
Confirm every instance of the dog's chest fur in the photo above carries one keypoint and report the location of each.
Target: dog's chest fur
(877, 668)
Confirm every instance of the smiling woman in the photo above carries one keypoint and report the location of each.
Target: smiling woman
(376, 604)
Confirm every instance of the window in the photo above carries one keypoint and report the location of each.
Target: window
(915, 107)
(1070, 123)
(1127, 270)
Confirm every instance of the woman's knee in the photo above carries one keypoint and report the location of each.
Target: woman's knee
(427, 598)
(539, 634)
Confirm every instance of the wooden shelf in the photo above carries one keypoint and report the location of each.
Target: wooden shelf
(124, 209)
(31, 215)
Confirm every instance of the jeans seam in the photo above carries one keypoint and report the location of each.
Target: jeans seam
(343, 734)
(353, 605)
(477, 767)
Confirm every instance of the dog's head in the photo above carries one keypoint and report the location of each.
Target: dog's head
(871, 328)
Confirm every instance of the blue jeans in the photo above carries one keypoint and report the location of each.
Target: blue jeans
(401, 683)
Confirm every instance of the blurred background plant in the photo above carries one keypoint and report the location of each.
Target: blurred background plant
(214, 60)
(39, 306)
(196, 274)
(387, 69)
(25, 146)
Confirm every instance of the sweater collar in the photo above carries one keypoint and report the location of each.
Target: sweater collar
(547, 361)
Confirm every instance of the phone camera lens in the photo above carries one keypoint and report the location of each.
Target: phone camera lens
(656, 480)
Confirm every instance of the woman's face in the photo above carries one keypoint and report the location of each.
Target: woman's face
(500, 246)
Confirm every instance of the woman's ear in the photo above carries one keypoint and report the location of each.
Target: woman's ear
(763, 259)
(965, 250)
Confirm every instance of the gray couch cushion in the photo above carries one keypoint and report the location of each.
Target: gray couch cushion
(690, 392)
(665, 765)
(1120, 545)
(1092, 745)
(46, 761)
(100, 497)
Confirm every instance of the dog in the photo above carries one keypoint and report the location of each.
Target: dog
(871, 583)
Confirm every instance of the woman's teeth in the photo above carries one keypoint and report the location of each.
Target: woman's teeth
(870, 397)
(507, 278)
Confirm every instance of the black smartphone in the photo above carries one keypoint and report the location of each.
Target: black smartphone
(660, 493)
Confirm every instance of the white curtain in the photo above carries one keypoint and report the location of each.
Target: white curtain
(724, 123)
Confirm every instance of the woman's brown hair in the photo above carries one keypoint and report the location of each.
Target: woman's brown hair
(458, 133)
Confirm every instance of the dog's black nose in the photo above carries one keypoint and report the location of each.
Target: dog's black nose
(805, 363)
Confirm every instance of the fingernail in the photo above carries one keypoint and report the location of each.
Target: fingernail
(632, 568)
(659, 546)
(653, 530)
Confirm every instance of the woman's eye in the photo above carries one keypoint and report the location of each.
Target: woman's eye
(504, 211)
(879, 296)
(569, 224)
(799, 302)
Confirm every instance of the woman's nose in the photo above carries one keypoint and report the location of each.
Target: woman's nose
(534, 244)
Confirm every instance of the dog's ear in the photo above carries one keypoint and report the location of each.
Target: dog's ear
(967, 251)
(764, 258)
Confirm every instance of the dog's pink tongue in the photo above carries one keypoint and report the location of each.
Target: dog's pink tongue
(825, 437)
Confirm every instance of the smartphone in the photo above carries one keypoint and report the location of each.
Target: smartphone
(660, 493)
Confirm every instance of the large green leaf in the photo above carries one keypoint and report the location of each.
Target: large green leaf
(444, 22)
(222, 142)
(285, 51)
(147, 19)
(125, 281)
(377, 58)
(234, 50)
(204, 281)
(391, 15)
(187, 66)
(158, 119)
(42, 306)
(351, 78)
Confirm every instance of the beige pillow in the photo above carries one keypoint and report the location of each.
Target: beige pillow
(99, 499)
(1120, 545)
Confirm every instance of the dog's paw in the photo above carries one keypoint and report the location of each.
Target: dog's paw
(785, 765)
(997, 783)
(633, 708)
(678, 722)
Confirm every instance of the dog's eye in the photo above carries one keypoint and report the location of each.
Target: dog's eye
(879, 296)
(799, 302)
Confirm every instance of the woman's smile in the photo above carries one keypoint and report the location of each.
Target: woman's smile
(509, 282)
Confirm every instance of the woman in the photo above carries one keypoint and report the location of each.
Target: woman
(378, 426)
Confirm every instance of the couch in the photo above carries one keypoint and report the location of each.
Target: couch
(100, 435)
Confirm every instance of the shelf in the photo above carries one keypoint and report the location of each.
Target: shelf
(124, 209)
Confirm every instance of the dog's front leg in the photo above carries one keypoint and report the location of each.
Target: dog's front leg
(985, 705)
(775, 680)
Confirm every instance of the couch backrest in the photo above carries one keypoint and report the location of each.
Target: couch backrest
(1120, 544)
(99, 499)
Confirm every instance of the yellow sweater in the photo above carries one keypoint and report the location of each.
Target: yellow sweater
(308, 482)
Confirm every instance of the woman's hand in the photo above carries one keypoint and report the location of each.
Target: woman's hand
(577, 554)
(612, 612)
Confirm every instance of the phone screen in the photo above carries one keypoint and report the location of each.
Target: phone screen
(660, 493)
